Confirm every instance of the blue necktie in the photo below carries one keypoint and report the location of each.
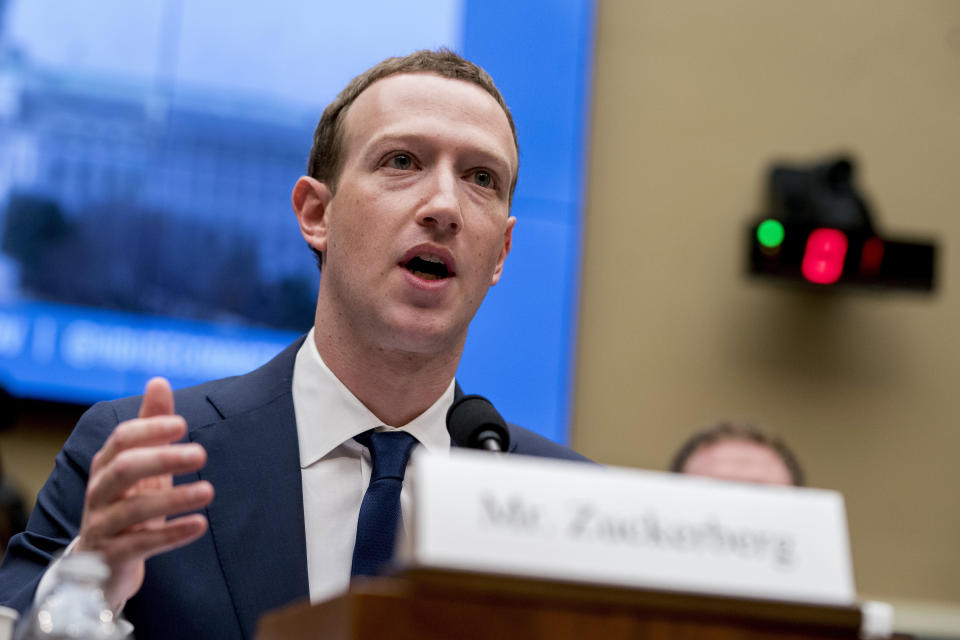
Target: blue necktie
(380, 509)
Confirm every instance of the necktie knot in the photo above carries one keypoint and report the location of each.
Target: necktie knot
(389, 452)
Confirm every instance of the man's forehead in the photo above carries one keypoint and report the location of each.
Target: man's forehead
(738, 458)
(426, 92)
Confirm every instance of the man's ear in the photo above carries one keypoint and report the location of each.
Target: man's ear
(504, 250)
(310, 200)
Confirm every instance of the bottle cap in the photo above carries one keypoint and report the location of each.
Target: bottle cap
(8, 617)
(84, 565)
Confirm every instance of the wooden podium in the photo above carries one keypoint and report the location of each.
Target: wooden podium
(424, 604)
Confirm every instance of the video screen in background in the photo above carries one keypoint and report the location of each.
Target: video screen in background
(148, 151)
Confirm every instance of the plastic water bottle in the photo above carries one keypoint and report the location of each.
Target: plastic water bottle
(75, 608)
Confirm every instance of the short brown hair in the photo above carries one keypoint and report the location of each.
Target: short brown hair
(738, 431)
(326, 156)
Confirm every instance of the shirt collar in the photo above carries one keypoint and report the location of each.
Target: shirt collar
(328, 414)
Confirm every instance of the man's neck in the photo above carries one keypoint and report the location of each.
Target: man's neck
(395, 386)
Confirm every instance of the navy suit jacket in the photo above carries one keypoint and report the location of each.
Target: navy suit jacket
(253, 558)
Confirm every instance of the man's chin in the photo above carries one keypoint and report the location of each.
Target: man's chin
(428, 336)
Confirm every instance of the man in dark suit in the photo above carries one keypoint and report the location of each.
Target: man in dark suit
(407, 206)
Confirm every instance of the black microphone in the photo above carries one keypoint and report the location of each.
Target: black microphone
(473, 422)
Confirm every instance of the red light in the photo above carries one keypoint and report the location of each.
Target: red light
(823, 259)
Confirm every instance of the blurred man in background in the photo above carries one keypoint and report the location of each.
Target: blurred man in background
(739, 452)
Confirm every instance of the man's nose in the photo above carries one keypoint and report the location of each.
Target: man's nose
(441, 208)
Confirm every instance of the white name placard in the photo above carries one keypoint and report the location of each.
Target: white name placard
(569, 521)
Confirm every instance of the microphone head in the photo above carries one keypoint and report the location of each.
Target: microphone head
(472, 420)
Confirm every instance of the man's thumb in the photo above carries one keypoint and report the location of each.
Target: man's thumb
(157, 398)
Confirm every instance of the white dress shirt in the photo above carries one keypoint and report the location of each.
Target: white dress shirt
(335, 469)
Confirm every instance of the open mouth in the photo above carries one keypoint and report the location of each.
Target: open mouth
(428, 267)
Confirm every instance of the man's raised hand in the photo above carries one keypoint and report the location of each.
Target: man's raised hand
(130, 494)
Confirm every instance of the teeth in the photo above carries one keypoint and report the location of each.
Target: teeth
(429, 257)
(426, 276)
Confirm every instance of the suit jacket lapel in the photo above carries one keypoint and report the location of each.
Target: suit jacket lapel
(256, 517)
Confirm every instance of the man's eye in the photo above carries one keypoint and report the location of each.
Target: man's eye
(401, 161)
(483, 178)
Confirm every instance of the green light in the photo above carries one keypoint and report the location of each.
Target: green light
(770, 234)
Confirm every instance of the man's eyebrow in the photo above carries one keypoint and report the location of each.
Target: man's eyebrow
(387, 139)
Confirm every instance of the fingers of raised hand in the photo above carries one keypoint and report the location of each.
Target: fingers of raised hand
(122, 518)
(143, 543)
(139, 432)
(112, 480)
